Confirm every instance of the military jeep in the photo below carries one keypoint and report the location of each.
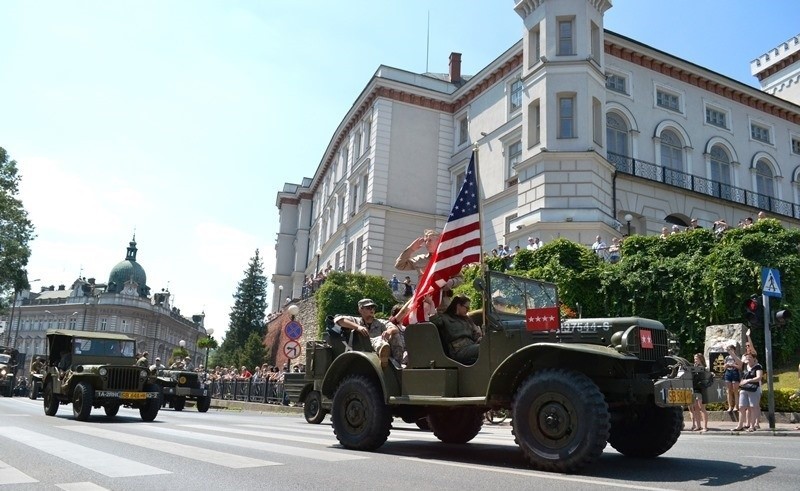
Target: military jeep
(569, 386)
(93, 370)
(178, 386)
(8, 370)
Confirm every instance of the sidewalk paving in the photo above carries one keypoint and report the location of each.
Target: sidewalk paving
(722, 423)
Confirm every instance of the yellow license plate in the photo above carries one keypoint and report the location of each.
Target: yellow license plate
(134, 395)
(680, 396)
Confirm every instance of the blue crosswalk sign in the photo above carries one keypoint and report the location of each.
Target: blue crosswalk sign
(771, 282)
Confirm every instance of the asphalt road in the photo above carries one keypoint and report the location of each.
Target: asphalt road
(245, 450)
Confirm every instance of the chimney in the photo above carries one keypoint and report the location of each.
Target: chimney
(455, 68)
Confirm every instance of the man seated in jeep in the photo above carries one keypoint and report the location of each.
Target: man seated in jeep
(460, 334)
(383, 336)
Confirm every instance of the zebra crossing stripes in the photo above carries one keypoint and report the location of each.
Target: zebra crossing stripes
(95, 460)
(81, 486)
(173, 448)
(11, 475)
(324, 455)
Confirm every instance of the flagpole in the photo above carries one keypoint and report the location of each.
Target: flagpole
(482, 265)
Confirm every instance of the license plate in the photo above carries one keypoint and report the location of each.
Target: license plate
(134, 395)
(680, 396)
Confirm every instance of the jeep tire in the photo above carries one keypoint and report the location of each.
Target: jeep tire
(149, 410)
(50, 401)
(111, 409)
(312, 408)
(458, 425)
(560, 420)
(34, 393)
(361, 420)
(82, 398)
(203, 403)
(646, 431)
(179, 403)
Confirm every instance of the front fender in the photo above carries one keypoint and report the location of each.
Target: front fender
(360, 363)
(518, 365)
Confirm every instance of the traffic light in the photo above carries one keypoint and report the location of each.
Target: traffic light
(754, 311)
(782, 317)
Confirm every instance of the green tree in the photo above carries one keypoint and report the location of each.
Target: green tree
(247, 313)
(254, 353)
(16, 231)
(208, 344)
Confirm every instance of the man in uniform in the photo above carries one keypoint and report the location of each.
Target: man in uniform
(408, 261)
(142, 362)
(384, 337)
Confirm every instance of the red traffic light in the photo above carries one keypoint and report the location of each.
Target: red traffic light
(754, 311)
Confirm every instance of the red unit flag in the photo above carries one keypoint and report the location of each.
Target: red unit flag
(646, 338)
(544, 319)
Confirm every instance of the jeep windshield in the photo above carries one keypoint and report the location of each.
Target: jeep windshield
(5, 359)
(514, 296)
(104, 347)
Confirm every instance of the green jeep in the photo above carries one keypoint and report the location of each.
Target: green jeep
(570, 388)
(178, 386)
(93, 369)
(8, 370)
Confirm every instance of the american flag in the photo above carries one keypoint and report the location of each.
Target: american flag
(460, 244)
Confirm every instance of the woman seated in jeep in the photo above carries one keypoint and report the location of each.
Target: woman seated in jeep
(461, 336)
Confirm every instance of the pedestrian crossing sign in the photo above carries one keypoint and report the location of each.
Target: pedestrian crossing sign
(771, 282)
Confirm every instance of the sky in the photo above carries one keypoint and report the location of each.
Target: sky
(182, 120)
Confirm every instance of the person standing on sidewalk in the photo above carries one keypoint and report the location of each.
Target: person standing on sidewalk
(750, 394)
(697, 409)
(731, 376)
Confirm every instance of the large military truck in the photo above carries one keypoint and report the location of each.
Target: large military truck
(178, 386)
(570, 386)
(93, 370)
(9, 362)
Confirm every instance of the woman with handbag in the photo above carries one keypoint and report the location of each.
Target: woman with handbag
(750, 393)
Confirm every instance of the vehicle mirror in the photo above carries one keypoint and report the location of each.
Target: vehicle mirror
(478, 284)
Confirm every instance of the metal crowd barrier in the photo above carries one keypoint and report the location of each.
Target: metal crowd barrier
(245, 390)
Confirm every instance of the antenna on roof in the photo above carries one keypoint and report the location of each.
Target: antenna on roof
(428, 43)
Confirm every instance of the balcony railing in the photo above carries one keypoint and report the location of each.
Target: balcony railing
(701, 185)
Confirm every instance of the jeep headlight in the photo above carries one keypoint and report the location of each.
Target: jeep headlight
(3, 372)
(182, 380)
(143, 374)
(103, 371)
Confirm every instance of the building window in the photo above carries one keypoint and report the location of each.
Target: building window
(616, 83)
(341, 210)
(534, 46)
(103, 324)
(668, 100)
(716, 117)
(459, 180)
(565, 37)
(720, 171)
(359, 253)
(514, 153)
(765, 183)
(353, 199)
(617, 138)
(760, 133)
(534, 123)
(597, 123)
(357, 145)
(796, 146)
(671, 157)
(515, 101)
(595, 42)
(124, 326)
(508, 220)
(364, 184)
(566, 117)
(367, 134)
(463, 130)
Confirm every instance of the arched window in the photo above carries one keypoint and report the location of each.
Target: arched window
(617, 141)
(765, 183)
(672, 158)
(721, 172)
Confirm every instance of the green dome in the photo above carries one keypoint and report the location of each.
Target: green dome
(128, 270)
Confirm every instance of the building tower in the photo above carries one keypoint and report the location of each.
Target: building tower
(563, 124)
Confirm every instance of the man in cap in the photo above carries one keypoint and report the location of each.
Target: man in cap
(142, 362)
(383, 336)
(187, 364)
(157, 366)
(408, 261)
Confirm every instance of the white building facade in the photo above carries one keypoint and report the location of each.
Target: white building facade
(577, 129)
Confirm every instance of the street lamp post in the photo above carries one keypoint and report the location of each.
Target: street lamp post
(628, 219)
(209, 332)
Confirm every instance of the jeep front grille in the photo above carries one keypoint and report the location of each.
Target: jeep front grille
(119, 378)
(658, 337)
